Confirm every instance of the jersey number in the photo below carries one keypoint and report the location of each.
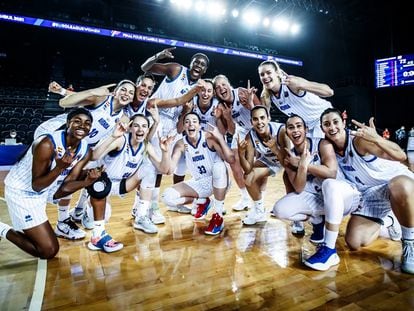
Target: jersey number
(201, 169)
(93, 133)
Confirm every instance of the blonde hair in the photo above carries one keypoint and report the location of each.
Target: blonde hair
(265, 95)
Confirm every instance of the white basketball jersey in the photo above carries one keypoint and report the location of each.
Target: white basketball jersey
(104, 120)
(123, 163)
(20, 175)
(239, 113)
(173, 88)
(263, 151)
(208, 115)
(199, 158)
(368, 171)
(313, 184)
(309, 106)
(141, 109)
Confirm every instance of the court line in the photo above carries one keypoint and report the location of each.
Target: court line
(39, 287)
(2, 199)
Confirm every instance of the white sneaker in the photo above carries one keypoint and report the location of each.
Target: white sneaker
(156, 216)
(253, 217)
(69, 230)
(394, 230)
(87, 221)
(145, 224)
(241, 205)
(179, 208)
(194, 207)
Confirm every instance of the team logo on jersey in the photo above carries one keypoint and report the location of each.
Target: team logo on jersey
(28, 218)
(186, 147)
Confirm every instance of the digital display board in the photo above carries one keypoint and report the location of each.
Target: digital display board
(141, 37)
(394, 71)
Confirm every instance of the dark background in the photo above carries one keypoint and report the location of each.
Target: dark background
(338, 48)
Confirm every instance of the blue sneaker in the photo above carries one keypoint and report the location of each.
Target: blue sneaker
(323, 259)
(407, 260)
(215, 226)
(318, 234)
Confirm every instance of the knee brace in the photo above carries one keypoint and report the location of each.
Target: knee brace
(220, 175)
(172, 197)
(101, 187)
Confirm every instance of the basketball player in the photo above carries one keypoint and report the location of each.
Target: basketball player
(258, 160)
(62, 154)
(204, 153)
(294, 95)
(320, 189)
(178, 79)
(106, 109)
(234, 111)
(372, 164)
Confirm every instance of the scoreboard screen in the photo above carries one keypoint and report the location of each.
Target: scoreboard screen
(394, 71)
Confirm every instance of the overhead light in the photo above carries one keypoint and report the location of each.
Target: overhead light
(251, 17)
(235, 13)
(266, 22)
(294, 29)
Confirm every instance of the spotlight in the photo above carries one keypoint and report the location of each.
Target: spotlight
(251, 17)
(294, 29)
(266, 22)
(235, 13)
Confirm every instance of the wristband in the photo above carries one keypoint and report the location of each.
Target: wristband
(62, 92)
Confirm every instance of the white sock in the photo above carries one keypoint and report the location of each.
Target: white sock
(83, 196)
(258, 205)
(4, 228)
(244, 193)
(143, 207)
(63, 212)
(98, 228)
(155, 195)
(137, 198)
(407, 233)
(219, 207)
(330, 238)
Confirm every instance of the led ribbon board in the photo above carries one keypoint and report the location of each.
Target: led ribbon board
(140, 37)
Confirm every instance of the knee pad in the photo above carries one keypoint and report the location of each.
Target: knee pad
(172, 197)
(101, 187)
(220, 175)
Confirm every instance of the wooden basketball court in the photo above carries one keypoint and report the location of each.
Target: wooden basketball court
(180, 268)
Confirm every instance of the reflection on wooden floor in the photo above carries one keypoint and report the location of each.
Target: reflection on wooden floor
(180, 268)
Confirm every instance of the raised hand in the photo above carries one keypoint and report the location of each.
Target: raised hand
(121, 127)
(166, 53)
(369, 133)
(66, 160)
(241, 145)
(55, 87)
(272, 145)
(213, 130)
(103, 90)
(153, 110)
(93, 174)
(165, 142)
(291, 159)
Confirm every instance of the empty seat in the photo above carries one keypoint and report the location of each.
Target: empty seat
(22, 127)
(9, 127)
(33, 127)
(26, 121)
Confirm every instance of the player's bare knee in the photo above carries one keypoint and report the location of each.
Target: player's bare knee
(401, 188)
(48, 251)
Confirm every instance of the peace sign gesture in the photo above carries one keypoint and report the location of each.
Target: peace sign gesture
(369, 133)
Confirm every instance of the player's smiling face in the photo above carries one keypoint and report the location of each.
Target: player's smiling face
(206, 94)
(334, 127)
(269, 77)
(191, 125)
(260, 121)
(79, 126)
(144, 89)
(223, 90)
(139, 128)
(125, 93)
(198, 67)
(296, 130)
